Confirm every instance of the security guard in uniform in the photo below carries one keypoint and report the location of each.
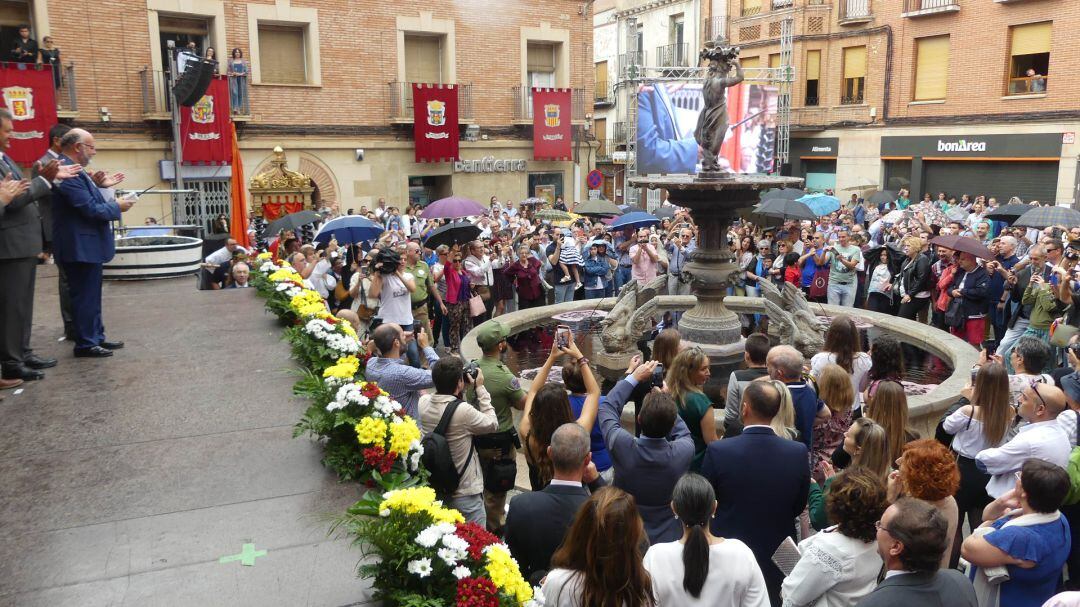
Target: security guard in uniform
(498, 451)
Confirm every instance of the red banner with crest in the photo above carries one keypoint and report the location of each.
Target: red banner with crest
(551, 124)
(29, 95)
(205, 130)
(435, 122)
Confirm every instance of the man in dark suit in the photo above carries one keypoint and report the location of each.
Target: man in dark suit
(537, 521)
(45, 208)
(761, 482)
(20, 245)
(83, 242)
(911, 537)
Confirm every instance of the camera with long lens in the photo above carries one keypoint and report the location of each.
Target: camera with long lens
(470, 371)
(385, 262)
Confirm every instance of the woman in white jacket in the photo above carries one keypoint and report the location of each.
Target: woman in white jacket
(840, 565)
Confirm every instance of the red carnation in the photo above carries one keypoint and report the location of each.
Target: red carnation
(373, 456)
(477, 537)
(370, 390)
(331, 320)
(477, 592)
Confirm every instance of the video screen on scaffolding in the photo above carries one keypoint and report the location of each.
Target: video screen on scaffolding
(668, 115)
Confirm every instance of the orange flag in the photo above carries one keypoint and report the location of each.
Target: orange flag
(238, 218)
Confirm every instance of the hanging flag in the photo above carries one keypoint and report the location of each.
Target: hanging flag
(238, 218)
(551, 124)
(206, 127)
(435, 122)
(29, 95)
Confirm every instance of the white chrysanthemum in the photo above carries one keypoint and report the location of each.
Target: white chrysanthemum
(461, 572)
(414, 462)
(385, 512)
(363, 401)
(420, 567)
(428, 537)
(453, 542)
(334, 405)
(450, 557)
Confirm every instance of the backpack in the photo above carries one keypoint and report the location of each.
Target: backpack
(437, 460)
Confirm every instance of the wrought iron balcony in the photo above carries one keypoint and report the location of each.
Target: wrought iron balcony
(523, 104)
(920, 8)
(631, 62)
(855, 11)
(603, 94)
(716, 27)
(157, 100)
(67, 105)
(618, 132)
(401, 102)
(672, 55)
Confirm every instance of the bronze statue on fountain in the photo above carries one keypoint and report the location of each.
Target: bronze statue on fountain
(712, 125)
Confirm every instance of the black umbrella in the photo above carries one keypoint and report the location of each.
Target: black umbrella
(626, 208)
(1008, 212)
(896, 255)
(882, 197)
(664, 212)
(292, 221)
(964, 244)
(786, 193)
(1044, 217)
(459, 232)
(598, 208)
(785, 209)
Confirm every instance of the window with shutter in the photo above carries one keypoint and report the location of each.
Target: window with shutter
(931, 68)
(813, 75)
(423, 59)
(1029, 58)
(854, 75)
(750, 62)
(282, 55)
(774, 60)
(751, 7)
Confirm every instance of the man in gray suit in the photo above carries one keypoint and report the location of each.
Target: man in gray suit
(911, 537)
(56, 133)
(20, 244)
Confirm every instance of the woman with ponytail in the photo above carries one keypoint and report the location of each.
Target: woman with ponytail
(702, 569)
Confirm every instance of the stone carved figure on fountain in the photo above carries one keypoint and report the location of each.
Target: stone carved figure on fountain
(791, 321)
(712, 126)
(631, 316)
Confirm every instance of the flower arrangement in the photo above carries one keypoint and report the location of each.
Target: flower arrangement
(428, 555)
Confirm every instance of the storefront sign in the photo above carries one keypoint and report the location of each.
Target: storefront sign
(1035, 145)
(817, 147)
(488, 164)
(551, 124)
(435, 122)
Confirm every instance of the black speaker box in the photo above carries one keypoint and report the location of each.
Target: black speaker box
(192, 84)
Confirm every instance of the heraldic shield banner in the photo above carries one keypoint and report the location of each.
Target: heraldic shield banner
(205, 132)
(435, 122)
(29, 96)
(551, 124)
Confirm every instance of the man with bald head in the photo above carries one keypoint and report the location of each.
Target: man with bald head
(785, 364)
(83, 242)
(1042, 437)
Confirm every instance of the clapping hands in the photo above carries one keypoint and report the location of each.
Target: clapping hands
(11, 188)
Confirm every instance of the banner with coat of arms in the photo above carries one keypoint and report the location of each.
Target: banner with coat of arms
(205, 128)
(435, 122)
(551, 124)
(29, 95)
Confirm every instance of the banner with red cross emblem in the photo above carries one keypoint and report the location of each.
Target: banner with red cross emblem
(205, 129)
(435, 122)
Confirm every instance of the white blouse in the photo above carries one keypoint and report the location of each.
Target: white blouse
(861, 364)
(734, 578)
(835, 571)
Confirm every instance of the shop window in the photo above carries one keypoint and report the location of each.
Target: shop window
(854, 75)
(1029, 58)
(931, 68)
(282, 54)
(813, 78)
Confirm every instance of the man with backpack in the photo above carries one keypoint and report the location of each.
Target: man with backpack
(449, 425)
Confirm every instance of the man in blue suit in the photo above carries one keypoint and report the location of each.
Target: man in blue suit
(761, 482)
(83, 242)
(660, 146)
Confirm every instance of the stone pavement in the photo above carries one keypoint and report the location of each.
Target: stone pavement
(123, 481)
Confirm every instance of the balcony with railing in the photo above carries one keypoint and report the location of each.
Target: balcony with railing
(716, 27)
(817, 118)
(157, 98)
(523, 105)
(400, 103)
(672, 55)
(618, 132)
(921, 8)
(603, 95)
(630, 61)
(855, 11)
(1028, 85)
(781, 4)
(66, 102)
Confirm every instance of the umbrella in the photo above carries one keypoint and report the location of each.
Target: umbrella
(785, 209)
(1044, 217)
(893, 216)
(626, 208)
(454, 207)
(896, 254)
(292, 221)
(350, 229)
(964, 244)
(634, 220)
(961, 214)
(883, 197)
(788, 193)
(597, 208)
(820, 204)
(531, 201)
(553, 215)
(451, 234)
(664, 212)
(932, 215)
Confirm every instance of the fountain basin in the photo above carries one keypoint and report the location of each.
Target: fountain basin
(150, 257)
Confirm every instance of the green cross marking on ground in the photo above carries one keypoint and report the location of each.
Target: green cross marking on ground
(246, 557)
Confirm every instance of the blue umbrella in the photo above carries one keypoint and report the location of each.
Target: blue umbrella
(634, 220)
(821, 204)
(350, 229)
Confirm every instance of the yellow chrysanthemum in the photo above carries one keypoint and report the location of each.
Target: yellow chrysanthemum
(347, 329)
(265, 256)
(285, 274)
(371, 431)
(402, 434)
(416, 500)
(346, 368)
(506, 575)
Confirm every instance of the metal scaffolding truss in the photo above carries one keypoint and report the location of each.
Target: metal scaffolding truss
(632, 73)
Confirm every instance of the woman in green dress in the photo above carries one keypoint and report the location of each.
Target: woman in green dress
(684, 381)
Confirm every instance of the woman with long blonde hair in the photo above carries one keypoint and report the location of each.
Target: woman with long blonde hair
(684, 381)
(889, 408)
(868, 446)
(837, 392)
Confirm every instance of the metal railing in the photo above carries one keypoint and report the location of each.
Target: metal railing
(630, 61)
(602, 93)
(240, 95)
(523, 104)
(672, 55)
(618, 132)
(716, 27)
(749, 11)
(915, 6)
(401, 101)
(851, 10)
(66, 100)
(154, 87)
(1026, 85)
(778, 4)
(815, 117)
(852, 100)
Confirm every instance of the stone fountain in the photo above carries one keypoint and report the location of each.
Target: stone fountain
(714, 197)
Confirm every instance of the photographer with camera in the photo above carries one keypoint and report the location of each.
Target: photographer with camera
(400, 380)
(393, 290)
(451, 377)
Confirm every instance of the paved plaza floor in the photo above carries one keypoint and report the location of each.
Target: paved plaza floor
(124, 481)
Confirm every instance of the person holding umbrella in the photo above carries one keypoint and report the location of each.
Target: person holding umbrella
(971, 286)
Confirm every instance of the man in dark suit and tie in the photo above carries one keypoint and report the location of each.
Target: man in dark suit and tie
(761, 482)
(20, 245)
(56, 133)
(911, 537)
(537, 521)
(83, 242)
